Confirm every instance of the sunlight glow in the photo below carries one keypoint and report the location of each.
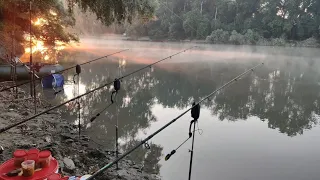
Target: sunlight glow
(46, 57)
(40, 22)
(39, 46)
(53, 13)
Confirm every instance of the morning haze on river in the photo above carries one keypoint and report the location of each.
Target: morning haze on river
(254, 66)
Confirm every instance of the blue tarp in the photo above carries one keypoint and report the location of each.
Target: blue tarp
(53, 81)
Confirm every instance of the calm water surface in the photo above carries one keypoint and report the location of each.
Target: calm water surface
(263, 127)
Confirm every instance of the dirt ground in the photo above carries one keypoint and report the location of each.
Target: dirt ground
(50, 132)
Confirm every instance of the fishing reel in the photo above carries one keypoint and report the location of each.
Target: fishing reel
(195, 114)
(78, 71)
(195, 111)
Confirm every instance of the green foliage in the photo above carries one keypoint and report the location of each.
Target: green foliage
(191, 23)
(203, 28)
(310, 42)
(219, 37)
(251, 37)
(237, 38)
(293, 19)
(278, 42)
(136, 30)
(115, 10)
(176, 30)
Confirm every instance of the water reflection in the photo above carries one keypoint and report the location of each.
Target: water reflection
(285, 94)
(149, 158)
(287, 99)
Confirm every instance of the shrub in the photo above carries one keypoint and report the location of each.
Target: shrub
(218, 36)
(310, 42)
(236, 38)
(278, 42)
(263, 42)
(252, 37)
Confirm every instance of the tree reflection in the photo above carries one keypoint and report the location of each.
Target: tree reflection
(149, 158)
(288, 99)
(286, 96)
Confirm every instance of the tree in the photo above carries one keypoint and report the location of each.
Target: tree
(176, 30)
(115, 10)
(51, 18)
(16, 17)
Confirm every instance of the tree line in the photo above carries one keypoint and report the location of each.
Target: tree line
(233, 21)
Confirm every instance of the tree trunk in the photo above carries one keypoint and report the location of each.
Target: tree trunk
(215, 14)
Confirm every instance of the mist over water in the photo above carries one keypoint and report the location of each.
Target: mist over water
(263, 127)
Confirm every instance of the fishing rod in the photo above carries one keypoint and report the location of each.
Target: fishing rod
(195, 105)
(18, 85)
(89, 92)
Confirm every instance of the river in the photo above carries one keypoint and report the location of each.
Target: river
(264, 126)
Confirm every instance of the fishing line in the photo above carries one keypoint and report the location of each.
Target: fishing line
(168, 156)
(88, 62)
(100, 112)
(200, 131)
(171, 122)
(89, 92)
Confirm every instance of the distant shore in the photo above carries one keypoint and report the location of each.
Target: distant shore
(277, 42)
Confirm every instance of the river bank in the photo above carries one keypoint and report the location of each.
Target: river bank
(76, 156)
(238, 40)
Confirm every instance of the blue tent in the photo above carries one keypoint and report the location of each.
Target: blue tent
(53, 81)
